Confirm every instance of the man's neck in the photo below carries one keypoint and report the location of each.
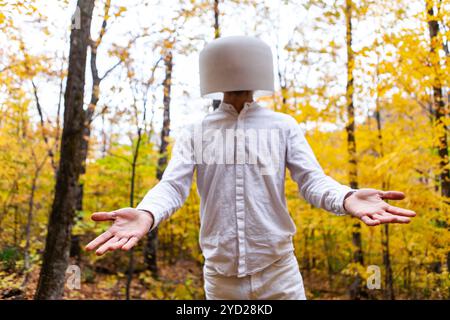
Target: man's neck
(238, 99)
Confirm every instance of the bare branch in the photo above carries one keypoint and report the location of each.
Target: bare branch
(44, 136)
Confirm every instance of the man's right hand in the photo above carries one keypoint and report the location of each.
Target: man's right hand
(129, 225)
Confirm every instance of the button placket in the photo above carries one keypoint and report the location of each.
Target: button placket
(240, 205)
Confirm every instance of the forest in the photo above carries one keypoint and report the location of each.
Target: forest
(94, 92)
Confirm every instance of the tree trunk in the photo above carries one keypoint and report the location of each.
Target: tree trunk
(16, 225)
(439, 108)
(389, 281)
(75, 249)
(34, 181)
(216, 102)
(389, 285)
(152, 240)
(165, 132)
(356, 287)
(44, 136)
(327, 240)
(132, 187)
(438, 102)
(26, 250)
(56, 254)
(283, 84)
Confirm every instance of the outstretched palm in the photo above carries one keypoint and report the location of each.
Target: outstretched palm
(369, 207)
(128, 227)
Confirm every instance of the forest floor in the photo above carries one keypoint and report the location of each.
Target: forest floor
(181, 280)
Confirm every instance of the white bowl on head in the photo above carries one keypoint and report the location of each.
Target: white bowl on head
(236, 63)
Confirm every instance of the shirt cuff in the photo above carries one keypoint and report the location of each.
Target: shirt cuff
(340, 200)
(157, 215)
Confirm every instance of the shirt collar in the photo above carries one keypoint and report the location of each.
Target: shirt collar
(229, 107)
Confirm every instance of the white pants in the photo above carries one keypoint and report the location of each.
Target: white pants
(279, 281)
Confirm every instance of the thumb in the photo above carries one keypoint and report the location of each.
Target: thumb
(103, 216)
(392, 195)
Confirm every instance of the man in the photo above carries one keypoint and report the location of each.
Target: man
(240, 153)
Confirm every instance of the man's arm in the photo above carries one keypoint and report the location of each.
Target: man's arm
(322, 191)
(130, 224)
(171, 192)
(314, 185)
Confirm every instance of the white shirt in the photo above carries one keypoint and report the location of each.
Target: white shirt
(245, 225)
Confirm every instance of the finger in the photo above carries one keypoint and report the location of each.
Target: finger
(105, 236)
(369, 221)
(105, 247)
(400, 211)
(383, 217)
(103, 216)
(392, 195)
(118, 244)
(130, 244)
(389, 218)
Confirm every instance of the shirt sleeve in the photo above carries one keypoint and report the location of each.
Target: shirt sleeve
(315, 186)
(172, 190)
